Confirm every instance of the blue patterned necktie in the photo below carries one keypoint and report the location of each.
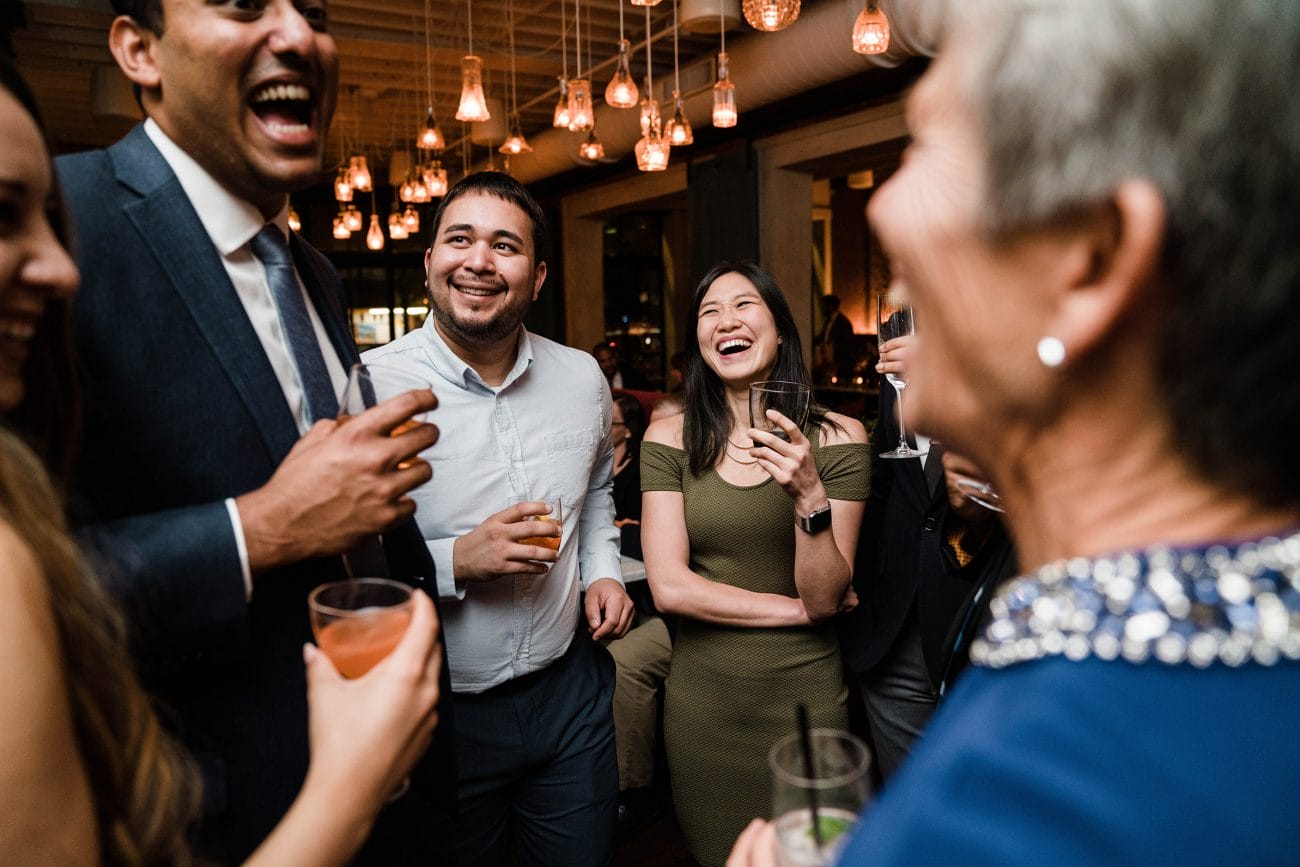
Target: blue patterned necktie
(270, 248)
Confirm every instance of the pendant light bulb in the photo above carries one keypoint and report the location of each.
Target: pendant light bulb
(515, 142)
(678, 131)
(645, 2)
(591, 148)
(431, 137)
(359, 174)
(581, 112)
(375, 234)
(396, 228)
(473, 104)
(342, 188)
(770, 15)
(411, 220)
(622, 91)
(650, 117)
(652, 152)
(295, 222)
(871, 30)
(435, 180)
(352, 218)
(341, 231)
(560, 120)
(724, 96)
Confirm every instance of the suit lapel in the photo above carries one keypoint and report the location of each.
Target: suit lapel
(170, 228)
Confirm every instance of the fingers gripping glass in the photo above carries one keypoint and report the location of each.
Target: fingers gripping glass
(980, 493)
(791, 399)
(895, 320)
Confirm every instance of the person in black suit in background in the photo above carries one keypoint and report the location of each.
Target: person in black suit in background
(215, 480)
(619, 374)
(919, 563)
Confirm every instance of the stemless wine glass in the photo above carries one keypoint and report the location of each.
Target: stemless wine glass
(895, 320)
(791, 399)
(371, 384)
(359, 622)
(554, 516)
(837, 786)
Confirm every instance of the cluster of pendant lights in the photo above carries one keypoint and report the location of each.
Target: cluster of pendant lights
(574, 110)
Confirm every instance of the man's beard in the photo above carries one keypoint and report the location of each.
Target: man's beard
(503, 324)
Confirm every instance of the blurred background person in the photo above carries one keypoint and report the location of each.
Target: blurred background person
(833, 355)
(1105, 263)
(89, 775)
(618, 374)
(750, 539)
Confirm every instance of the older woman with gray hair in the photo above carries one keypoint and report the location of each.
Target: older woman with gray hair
(1098, 223)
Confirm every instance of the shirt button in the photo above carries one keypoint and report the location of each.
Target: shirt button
(930, 524)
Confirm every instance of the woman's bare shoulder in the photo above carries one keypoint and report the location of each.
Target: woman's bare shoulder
(666, 431)
(842, 430)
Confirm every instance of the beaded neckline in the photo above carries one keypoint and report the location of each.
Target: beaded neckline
(1220, 603)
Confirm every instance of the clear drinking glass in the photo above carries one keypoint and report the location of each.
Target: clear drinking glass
(895, 320)
(359, 622)
(837, 785)
(371, 384)
(791, 399)
(980, 493)
(554, 516)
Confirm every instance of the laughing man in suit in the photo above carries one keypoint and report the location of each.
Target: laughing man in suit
(215, 481)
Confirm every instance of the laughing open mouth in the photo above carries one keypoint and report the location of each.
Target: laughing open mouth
(285, 108)
(731, 347)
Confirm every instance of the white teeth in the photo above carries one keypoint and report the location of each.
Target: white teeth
(476, 290)
(291, 128)
(728, 344)
(17, 330)
(282, 92)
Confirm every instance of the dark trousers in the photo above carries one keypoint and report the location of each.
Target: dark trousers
(899, 698)
(537, 767)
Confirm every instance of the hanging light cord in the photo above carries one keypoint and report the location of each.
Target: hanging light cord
(428, 57)
(649, 65)
(469, 23)
(564, 37)
(722, 26)
(577, 34)
(510, 23)
(677, 79)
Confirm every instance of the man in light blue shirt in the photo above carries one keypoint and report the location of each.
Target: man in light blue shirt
(526, 421)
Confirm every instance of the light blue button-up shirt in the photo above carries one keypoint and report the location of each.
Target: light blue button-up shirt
(543, 433)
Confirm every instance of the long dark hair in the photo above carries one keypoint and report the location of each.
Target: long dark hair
(707, 420)
(49, 417)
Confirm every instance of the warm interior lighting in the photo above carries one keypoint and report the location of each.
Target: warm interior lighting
(341, 231)
(652, 149)
(591, 148)
(411, 220)
(419, 190)
(431, 137)
(652, 152)
(770, 15)
(342, 188)
(359, 174)
(473, 104)
(295, 222)
(435, 180)
(561, 119)
(375, 234)
(650, 116)
(396, 228)
(863, 180)
(724, 96)
(622, 91)
(352, 218)
(515, 143)
(645, 2)
(678, 131)
(871, 30)
(581, 113)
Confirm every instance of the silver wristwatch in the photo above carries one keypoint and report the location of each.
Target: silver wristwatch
(819, 520)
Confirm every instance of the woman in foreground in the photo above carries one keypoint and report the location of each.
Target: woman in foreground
(88, 774)
(1106, 266)
(754, 591)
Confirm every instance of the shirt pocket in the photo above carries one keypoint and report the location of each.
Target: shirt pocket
(569, 458)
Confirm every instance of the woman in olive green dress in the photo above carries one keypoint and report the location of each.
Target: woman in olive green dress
(737, 542)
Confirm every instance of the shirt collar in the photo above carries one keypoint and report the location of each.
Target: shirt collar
(457, 371)
(229, 221)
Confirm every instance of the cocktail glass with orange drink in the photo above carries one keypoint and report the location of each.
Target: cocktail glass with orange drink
(554, 516)
(359, 622)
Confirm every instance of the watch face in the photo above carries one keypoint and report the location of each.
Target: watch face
(817, 521)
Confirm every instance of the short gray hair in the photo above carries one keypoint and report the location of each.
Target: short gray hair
(1201, 99)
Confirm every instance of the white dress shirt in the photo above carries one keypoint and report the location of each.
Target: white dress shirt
(231, 223)
(544, 432)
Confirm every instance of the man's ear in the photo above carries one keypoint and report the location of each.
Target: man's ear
(539, 277)
(1119, 258)
(132, 45)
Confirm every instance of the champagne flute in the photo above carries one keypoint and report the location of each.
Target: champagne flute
(895, 320)
(833, 777)
(791, 399)
(980, 493)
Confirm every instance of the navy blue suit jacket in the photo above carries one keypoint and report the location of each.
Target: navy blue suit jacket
(183, 410)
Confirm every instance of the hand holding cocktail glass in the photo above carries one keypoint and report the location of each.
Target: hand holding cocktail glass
(372, 687)
(969, 495)
(513, 541)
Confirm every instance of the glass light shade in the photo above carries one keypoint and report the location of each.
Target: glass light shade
(435, 180)
(375, 234)
(515, 143)
(724, 96)
(352, 218)
(561, 118)
(406, 192)
(582, 115)
(431, 137)
(770, 15)
(652, 152)
(295, 222)
(341, 230)
(473, 104)
(871, 30)
(419, 190)
(622, 91)
(645, 2)
(650, 118)
(342, 188)
(411, 219)
(678, 131)
(396, 228)
(591, 148)
(359, 174)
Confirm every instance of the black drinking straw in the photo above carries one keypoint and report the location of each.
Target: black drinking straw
(805, 741)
